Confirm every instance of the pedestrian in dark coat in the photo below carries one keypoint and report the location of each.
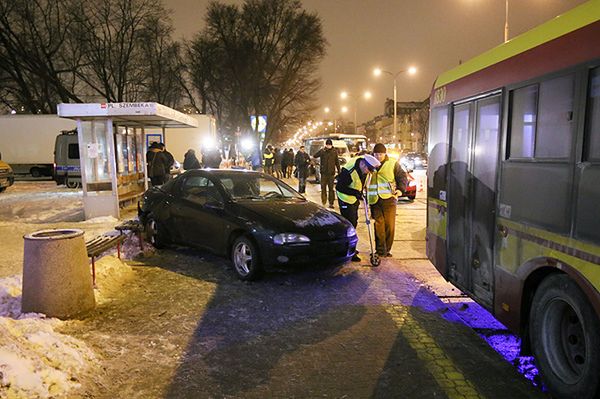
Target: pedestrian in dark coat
(169, 161)
(277, 157)
(330, 166)
(290, 162)
(190, 161)
(156, 164)
(212, 159)
(302, 160)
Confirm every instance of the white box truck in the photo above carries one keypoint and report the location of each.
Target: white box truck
(179, 140)
(27, 142)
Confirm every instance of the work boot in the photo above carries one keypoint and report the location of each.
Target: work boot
(356, 258)
(388, 255)
(331, 206)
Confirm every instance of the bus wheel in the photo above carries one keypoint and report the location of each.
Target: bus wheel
(565, 338)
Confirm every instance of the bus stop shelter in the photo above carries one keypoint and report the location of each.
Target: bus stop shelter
(112, 148)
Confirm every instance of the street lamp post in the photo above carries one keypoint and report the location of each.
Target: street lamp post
(411, 71)
(506, 23)
(344, 95)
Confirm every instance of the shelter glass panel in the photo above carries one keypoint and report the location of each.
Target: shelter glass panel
(438, 151)
(97, 157)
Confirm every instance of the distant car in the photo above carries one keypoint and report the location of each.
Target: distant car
(414, 160)
(411, 189)
(259, 222)
(6, 176)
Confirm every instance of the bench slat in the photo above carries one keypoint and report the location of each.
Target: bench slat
(102, 243)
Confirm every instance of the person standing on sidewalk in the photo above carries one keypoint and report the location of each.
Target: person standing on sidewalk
(350, 185)
(381, 193)
(330, 165)
(302, 160)
(268, 160)
(277, 156)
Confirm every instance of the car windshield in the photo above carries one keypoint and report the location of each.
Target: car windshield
(256, 187)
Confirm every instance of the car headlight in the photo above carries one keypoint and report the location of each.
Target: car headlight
(290, 238)
(351, 232)
(412, 183)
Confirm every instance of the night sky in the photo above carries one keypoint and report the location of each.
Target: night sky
(433, 35)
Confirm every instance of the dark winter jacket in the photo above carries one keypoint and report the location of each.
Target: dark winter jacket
(169, 161)
(330, 163)
(157, 162)
(302, 160)
(190, 161)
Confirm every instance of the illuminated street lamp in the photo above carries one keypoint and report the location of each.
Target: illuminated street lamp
(411, 71)
(344, 95)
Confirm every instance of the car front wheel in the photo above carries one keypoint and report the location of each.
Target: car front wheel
(155, 233)
(565, 338)
(244, 256)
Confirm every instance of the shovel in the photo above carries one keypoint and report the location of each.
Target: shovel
(373, 257)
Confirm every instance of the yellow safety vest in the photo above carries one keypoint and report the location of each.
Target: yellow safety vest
(355, 184)
(382, 183)
(267, 156)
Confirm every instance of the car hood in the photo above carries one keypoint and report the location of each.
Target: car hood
(303, 217)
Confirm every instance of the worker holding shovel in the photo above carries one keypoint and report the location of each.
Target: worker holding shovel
(350, 185)
(385, 183)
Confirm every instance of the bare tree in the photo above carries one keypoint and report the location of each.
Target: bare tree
(111, 33)
(38, 57)
(260, 59)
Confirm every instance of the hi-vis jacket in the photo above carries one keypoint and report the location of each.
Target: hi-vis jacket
(384, 181)
(350, 183)
(268, 158)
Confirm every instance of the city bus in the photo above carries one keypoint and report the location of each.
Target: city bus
(513, 215)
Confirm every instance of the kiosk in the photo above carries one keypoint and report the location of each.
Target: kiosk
(112, 149)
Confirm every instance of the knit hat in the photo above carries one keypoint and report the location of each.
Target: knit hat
(372, 162)
(379, 149)
(328, 142)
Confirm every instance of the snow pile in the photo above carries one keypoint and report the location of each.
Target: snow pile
(111, 272)
(35, 360)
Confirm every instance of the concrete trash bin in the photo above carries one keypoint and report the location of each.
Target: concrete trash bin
(56, 274)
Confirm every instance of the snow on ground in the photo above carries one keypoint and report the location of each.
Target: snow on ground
(36, 360)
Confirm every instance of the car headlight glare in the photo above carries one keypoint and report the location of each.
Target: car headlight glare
(351, 232)
(412, 183)
(290, 238)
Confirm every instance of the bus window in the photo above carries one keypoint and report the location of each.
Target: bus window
(555, 117)
(438, 151)
(593, 125)
(542, 114)
(522, 127)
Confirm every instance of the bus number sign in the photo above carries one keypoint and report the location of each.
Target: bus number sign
(439, 96)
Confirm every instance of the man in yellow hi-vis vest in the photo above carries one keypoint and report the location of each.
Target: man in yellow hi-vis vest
(350, 185)
(386, 181)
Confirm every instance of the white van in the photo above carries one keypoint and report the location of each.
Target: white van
(314, 145)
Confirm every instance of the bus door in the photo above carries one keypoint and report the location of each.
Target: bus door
(471, 196)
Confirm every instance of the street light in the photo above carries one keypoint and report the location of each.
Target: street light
(411, 71)
(506, 23)
(344, 95)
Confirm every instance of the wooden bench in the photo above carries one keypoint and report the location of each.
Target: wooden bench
(100, 244)
(134, 227)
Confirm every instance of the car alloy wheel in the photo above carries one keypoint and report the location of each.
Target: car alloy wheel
(155, 234)
(245, 259)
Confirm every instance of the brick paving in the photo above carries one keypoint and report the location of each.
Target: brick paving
(186, 327)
